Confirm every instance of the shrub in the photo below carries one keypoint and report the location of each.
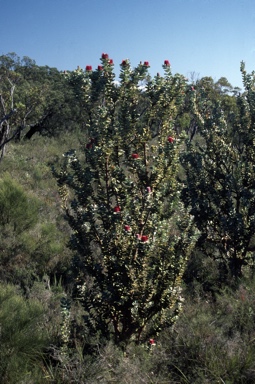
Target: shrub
(131, 234)
(23, 337)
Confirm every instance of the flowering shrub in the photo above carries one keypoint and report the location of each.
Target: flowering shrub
(131, 234)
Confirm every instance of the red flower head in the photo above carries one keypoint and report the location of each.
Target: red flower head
(88, 68)
(192, 88)
(127, 228)
(146, 64)
(170, 139)
(89, 145)
(105, 56)
(124, 63)
(167, 63)
(135, 156)
(116, 209)
(111, 61)
(152, 342)
(144, 238)
(100, 68)
(148, 189)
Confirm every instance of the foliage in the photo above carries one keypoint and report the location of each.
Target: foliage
(22, 336)
(220, 181)
(131, 234)
(18, 215)
(17, 210)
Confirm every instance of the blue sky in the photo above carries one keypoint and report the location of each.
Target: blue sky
(207, 37)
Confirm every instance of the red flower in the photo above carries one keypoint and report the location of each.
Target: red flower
(111, 61)
(152, 342)
(146, 64)
(90, 144)
(170, 139)
(105, 56)
(192, 88)
(127, 228)
(135, 156)
(116, 209)
(144, 238)
(124, 63)
(100, 68)
(148, 189)
(88, 68)
(167, 63)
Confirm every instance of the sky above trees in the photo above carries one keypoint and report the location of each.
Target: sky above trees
(205, 37)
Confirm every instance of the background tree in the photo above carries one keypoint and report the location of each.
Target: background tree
(209, 94)
(131, 234)
(220, 179)
(33, 99)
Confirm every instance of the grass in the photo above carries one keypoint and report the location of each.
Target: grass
(213, 340)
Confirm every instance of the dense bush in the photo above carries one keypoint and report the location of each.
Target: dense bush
(23, 338)
(131, 235)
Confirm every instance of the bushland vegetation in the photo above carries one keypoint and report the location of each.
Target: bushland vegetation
(127, 214)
